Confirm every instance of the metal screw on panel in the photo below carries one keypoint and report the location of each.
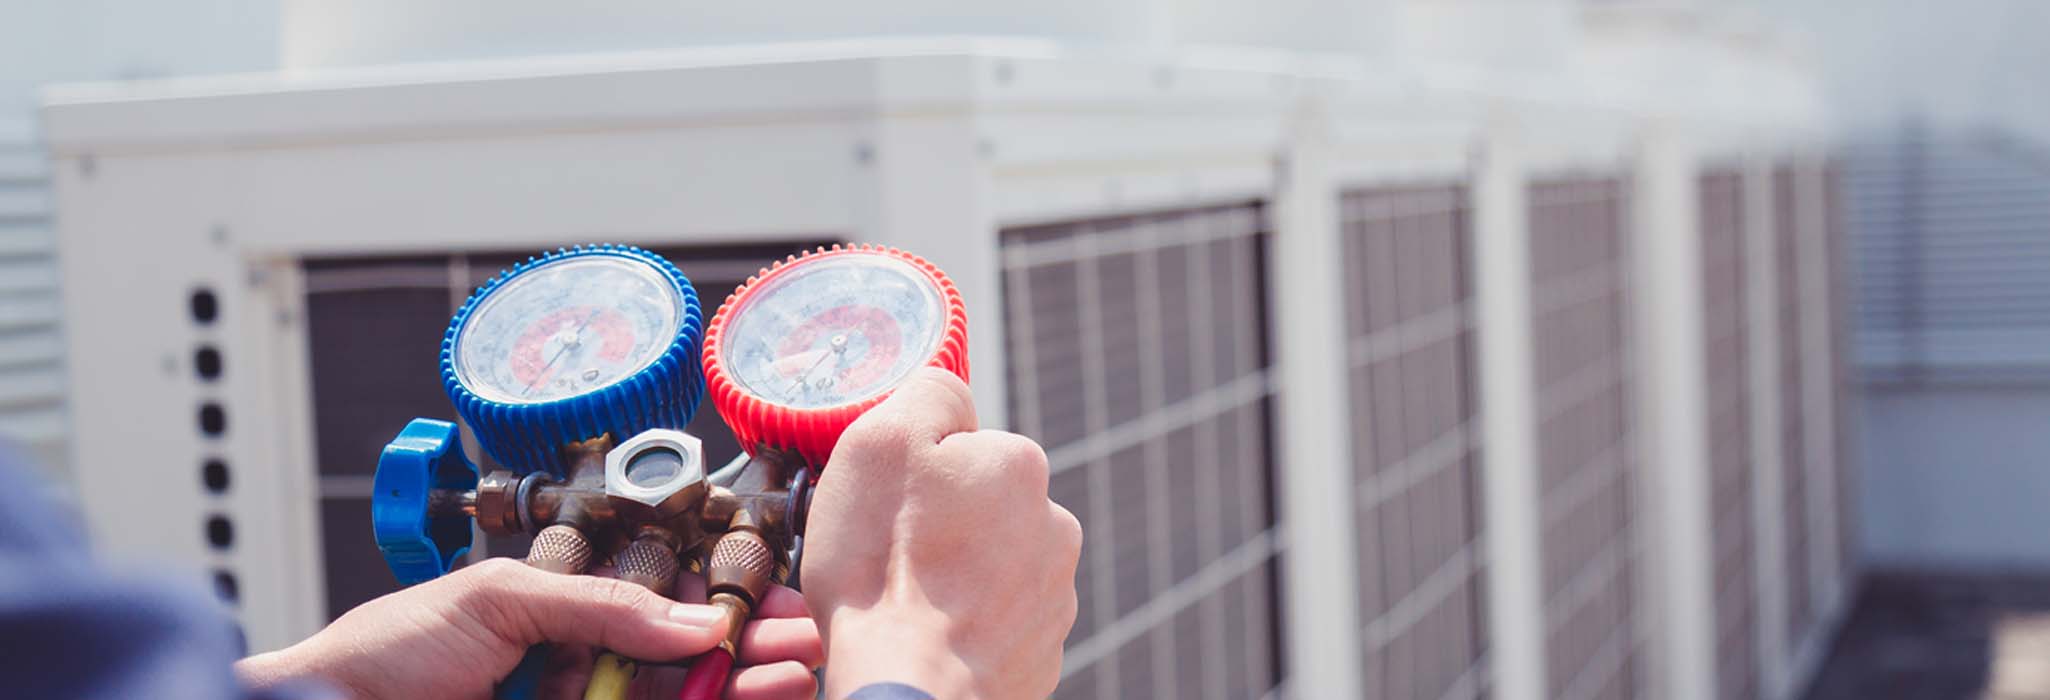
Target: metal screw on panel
(864, 154)
(87, 165)
(220, 235)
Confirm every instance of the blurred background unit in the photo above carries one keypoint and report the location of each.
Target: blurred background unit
(1384, 349)
(31, 345)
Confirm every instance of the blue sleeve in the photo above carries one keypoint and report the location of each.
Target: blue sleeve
(71, 627)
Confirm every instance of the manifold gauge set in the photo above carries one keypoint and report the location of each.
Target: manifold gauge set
(578, 370)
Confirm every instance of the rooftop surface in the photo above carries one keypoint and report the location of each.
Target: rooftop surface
(1925, 635)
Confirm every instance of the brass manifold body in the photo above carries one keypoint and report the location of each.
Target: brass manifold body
(737, 526)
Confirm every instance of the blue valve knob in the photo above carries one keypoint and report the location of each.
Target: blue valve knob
(419, 544)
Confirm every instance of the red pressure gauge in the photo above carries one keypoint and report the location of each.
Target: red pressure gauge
(807, 345)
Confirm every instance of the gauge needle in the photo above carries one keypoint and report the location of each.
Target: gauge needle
(839, 350)
(564, 350)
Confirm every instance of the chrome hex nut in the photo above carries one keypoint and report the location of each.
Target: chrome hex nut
(656, 475)
(495, 503)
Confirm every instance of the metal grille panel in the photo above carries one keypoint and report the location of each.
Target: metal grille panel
(1137, 359)
(1579, 306)
(1409, 307)
(1729, 460)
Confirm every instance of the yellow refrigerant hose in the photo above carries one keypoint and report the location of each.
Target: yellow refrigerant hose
(611, 675)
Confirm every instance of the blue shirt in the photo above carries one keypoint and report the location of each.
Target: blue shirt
(72, 626)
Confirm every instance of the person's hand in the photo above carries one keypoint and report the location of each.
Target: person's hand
(933, 557)
(458, 635)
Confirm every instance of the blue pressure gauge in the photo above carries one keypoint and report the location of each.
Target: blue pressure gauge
(572, 345)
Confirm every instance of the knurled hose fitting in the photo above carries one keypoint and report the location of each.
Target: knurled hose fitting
(560, 549)
(736, 612)
(741, 564)
(648, 561)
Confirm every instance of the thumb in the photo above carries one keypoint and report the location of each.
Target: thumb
(527, 606)
(928, 405)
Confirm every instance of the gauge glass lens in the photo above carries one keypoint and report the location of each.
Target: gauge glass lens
(566, 328)
(834, 330)
(655, 467)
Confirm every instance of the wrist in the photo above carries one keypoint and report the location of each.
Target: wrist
(893, 645)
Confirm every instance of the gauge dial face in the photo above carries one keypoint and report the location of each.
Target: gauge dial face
(833, 330)
(566, 328)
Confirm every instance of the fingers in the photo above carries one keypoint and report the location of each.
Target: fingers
(774, 640)
(781, 601)
(690, 588)
(779, 680)
(782, 628)
(567, 672)
(526, 606)
(786, 680)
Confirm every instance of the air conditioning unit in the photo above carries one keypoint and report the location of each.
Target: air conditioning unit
(260, 269)
(1342, 370)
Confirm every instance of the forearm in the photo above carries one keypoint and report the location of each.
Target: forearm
(264, 670)
(289, 666)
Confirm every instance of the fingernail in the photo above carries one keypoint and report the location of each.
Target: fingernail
(701, 616)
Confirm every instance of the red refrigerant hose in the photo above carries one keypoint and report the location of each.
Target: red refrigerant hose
(706, 678)
(738, 573)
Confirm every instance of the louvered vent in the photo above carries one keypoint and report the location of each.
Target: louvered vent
(1586, 466)
(1409, 303)
(31, 345)
(1138, 358)
(1952, 243)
